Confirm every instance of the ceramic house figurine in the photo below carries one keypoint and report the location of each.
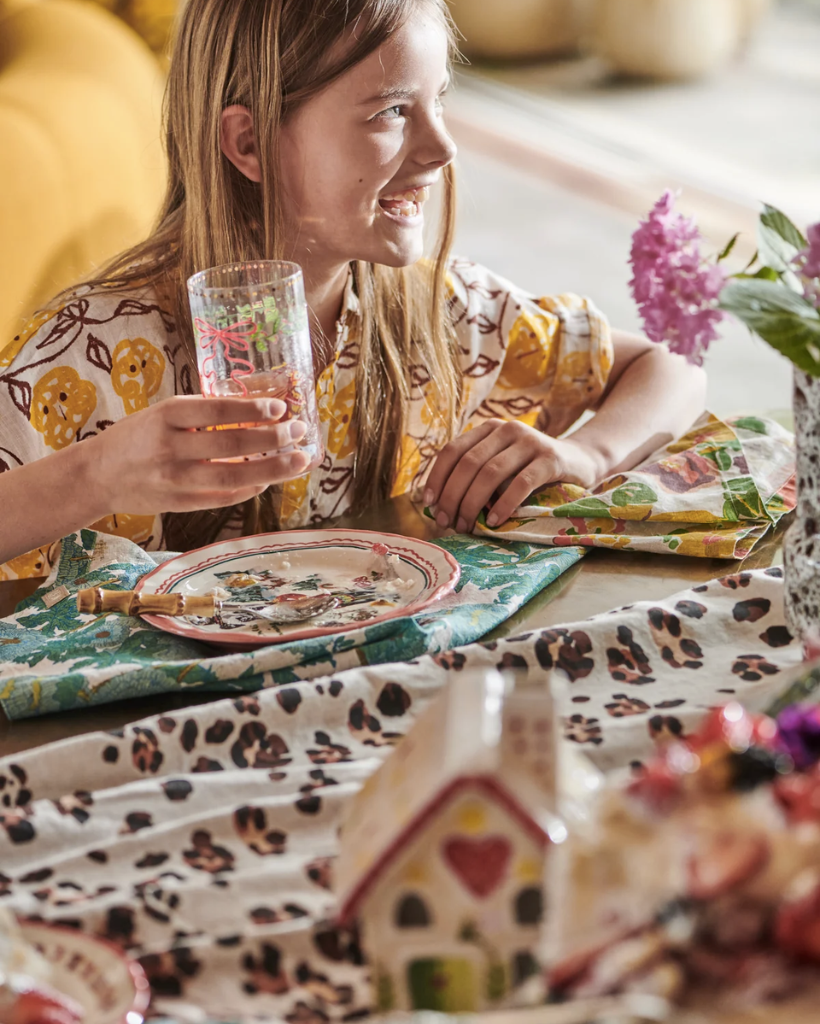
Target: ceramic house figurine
(443, 851)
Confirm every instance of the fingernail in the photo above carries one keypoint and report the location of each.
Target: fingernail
(443, 519)
(461, 525)
(492, 519)
(298, 429)
(275, 408)
(300, 459)
(428, 496)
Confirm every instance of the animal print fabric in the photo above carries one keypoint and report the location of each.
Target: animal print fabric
(53, 659)
(713, 493)
(78, 368)
(203, 840)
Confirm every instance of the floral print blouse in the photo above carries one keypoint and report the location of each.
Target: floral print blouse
(75, 370)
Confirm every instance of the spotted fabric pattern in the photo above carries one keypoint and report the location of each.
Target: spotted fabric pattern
(203, 840)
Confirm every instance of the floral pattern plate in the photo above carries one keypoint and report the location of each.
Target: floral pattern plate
(369, 585)
(110, 987)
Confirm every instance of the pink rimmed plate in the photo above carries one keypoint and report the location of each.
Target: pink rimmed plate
(273, 566)
(110, 987)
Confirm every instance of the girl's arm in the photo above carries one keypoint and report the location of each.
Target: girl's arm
(651, 398)
(156, 460)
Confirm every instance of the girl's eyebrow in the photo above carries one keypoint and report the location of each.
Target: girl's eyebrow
(399, 93)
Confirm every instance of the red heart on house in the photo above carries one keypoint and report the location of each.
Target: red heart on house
(480, 864)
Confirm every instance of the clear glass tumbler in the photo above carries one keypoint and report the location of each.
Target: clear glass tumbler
(253, 339)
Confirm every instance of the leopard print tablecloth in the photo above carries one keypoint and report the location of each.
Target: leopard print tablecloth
(203, 840)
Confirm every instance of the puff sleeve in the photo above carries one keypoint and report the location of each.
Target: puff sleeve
(73, 371)
(543, 360)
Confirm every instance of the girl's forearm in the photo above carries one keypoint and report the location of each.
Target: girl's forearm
(47, 499)
(657, 398)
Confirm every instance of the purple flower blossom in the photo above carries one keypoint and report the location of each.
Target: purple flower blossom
(808, 266)
(675, 288)
(798, 734)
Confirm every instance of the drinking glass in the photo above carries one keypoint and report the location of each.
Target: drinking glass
(253, 339)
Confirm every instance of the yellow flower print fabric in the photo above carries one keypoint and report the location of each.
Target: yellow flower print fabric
(136, 372)
(78, 369)
(71, 373)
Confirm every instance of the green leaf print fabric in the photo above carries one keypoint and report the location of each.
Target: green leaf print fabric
(52, 658)
(713, 493)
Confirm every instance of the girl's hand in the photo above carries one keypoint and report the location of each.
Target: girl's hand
(160, 459)
(473, 467)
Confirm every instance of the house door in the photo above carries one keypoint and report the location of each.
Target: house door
(444, 984)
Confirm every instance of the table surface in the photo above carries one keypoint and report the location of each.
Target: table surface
(602, 580)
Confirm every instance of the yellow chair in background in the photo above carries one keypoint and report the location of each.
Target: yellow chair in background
(81, 166)
(152, 19)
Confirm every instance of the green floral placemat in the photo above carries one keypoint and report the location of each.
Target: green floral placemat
(52, 658)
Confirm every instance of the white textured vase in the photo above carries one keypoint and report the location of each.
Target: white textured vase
(665, 39)
(801, 548)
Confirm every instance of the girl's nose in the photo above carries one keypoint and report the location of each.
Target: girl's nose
(437, 148)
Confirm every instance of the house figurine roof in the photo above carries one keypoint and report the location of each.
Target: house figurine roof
(481, 732)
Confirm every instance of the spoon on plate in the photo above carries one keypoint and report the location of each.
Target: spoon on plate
(136, 602)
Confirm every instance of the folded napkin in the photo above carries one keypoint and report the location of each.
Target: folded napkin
(54, 659)
(714, 492)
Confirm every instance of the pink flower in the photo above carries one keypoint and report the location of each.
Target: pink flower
(808, 265)
(675, 288)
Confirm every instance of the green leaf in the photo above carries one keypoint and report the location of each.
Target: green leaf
(586, 507)
(764, 274)
(752, 261)
(745, 498)
(752, 423)
(778, 222)
(785, 320)
(767, 274)
(779, 240)
(634, 493)
(721, 458)
(728, 247)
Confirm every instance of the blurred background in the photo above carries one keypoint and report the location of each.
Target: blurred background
(571, 116)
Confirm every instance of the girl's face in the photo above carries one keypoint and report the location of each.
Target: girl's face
(357, 160)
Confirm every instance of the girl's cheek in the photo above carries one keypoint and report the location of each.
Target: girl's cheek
(386, 150)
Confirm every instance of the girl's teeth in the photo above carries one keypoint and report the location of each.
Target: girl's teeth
(402, 207)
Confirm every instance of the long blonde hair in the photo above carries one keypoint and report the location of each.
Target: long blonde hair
(271, 56)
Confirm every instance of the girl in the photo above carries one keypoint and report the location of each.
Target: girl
(312, 130)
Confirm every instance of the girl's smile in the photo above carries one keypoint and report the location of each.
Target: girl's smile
(405, 207)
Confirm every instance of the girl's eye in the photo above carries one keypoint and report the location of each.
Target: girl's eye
(391, 113)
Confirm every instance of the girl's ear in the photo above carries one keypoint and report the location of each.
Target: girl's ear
(239, 141)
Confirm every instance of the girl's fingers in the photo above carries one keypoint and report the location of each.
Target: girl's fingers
(221, 499)
(207, 477)
(188, 412)
(475, 466)
(493, 475)
(537, 473)
(448, 458)
(225, 444)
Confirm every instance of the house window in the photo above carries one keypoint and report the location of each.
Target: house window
(412, 912)
(529, 905)
(524, 965)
